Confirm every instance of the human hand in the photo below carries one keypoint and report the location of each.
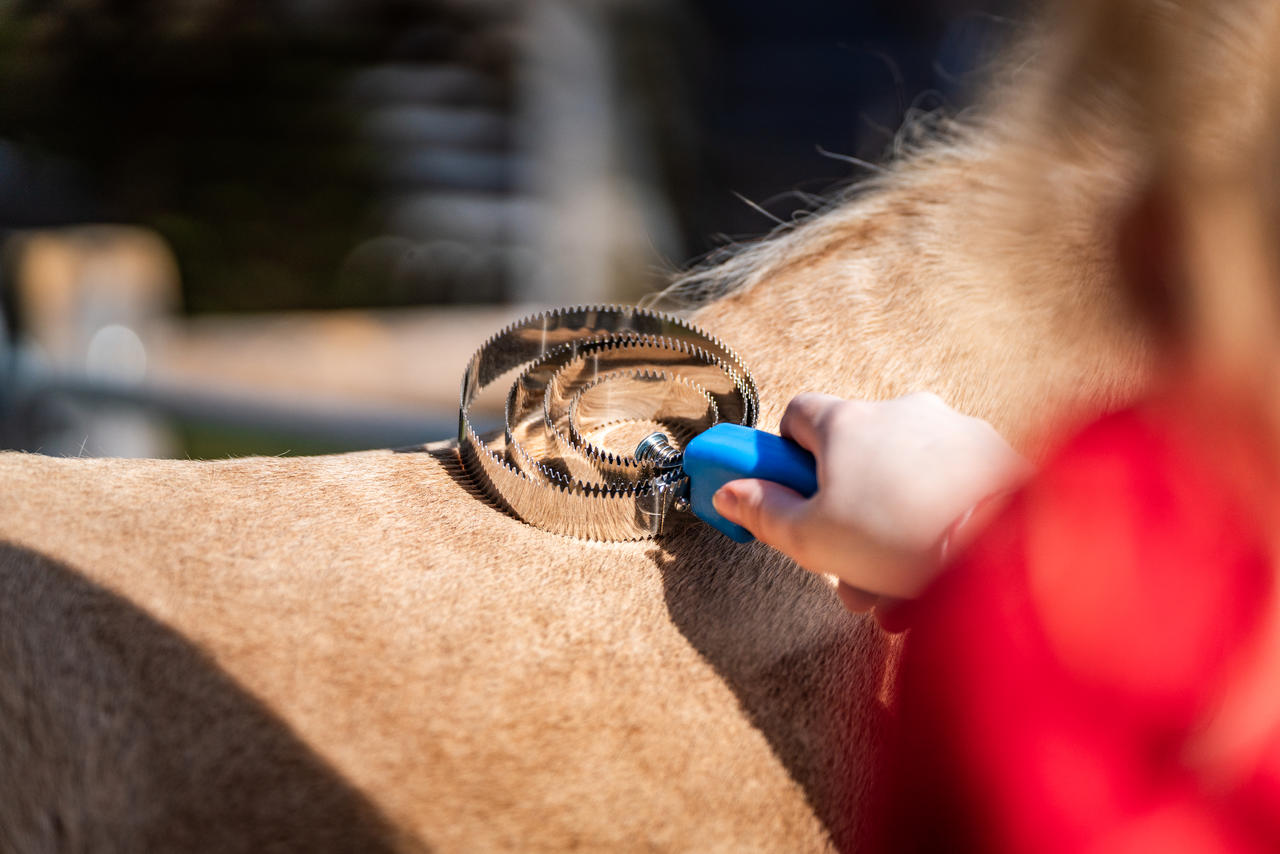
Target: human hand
(892, 477)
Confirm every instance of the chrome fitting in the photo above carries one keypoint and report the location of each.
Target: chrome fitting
(656, 449)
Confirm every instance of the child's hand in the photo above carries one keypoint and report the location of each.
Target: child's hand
(892, 477)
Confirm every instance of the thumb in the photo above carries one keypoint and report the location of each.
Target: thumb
(770, 511)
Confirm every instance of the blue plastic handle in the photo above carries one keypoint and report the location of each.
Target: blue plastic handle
(730, 451)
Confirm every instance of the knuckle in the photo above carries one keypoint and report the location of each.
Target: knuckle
(784, 539)
(777, 530)
(751, 513)
(790, 418)
(842, 416)
(790, 536)
(982, 430)
(925, 398)
(805, 397)
(802, 407)
(749, 504)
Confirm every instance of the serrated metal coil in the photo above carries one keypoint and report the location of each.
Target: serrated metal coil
(589, 382)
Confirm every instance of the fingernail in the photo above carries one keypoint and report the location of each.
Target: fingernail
(725, 502)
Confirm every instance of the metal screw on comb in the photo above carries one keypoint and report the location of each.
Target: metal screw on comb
(656, 449)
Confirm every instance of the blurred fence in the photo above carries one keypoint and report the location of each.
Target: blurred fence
(105, 359)
(325, 207)
(499, 173)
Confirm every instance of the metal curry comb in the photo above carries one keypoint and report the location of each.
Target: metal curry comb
(620, 423)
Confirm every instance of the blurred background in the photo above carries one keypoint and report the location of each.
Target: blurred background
(251, 227)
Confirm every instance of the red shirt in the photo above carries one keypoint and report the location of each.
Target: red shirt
(1060, 680)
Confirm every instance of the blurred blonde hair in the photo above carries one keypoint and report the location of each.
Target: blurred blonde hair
(1202, 82)
(1228, 209)
(1179, 101)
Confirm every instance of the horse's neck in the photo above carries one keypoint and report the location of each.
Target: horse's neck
(905, 289)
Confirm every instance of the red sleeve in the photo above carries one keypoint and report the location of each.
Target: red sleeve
(1055, 677)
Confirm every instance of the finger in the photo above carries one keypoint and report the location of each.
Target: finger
(856, 599)
(770, 511)
(800, 421)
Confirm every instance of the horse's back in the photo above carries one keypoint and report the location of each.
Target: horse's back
(354, 652)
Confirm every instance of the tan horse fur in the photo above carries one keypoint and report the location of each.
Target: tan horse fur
(356, 653)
